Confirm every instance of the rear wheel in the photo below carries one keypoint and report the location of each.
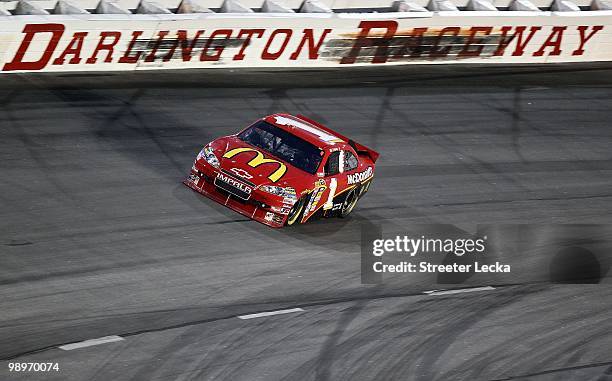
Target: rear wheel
(295, 214)
(349, 202)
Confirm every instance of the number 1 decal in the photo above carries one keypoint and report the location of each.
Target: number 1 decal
(332, 191)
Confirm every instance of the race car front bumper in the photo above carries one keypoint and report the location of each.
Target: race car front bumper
(258, 207)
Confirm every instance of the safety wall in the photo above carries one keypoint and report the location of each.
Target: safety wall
(57, 43)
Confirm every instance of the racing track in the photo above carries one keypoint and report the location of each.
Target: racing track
(98, 237)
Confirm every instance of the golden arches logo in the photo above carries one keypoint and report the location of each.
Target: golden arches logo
(259, 160)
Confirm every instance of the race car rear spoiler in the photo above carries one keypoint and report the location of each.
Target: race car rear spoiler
(359, 148)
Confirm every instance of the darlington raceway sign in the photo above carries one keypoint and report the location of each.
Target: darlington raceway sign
(282, 42)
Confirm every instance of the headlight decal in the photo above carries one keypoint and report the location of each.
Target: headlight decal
(208, 154)
(287, 193)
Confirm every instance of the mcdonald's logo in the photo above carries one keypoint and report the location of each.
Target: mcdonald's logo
(259, 160)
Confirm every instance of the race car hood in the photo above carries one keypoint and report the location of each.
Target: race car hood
(256, 166)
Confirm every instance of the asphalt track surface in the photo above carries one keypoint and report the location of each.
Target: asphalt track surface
(98, 237)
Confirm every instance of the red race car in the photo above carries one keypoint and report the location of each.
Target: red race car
(284, 169)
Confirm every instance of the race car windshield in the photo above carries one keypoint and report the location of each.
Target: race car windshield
(283, 145)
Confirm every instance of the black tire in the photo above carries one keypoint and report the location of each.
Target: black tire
(349, 202)
(296, 213)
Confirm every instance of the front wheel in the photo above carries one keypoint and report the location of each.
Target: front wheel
(295, 214)
(349, 202)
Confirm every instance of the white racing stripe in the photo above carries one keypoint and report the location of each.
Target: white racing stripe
(461, 290)
(92, 342)
(261, 314)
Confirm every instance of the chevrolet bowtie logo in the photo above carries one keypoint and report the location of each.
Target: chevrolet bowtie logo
(241, 173)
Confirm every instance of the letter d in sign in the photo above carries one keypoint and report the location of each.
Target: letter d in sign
(52, 31)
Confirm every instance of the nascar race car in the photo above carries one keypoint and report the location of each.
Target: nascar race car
(283, 170)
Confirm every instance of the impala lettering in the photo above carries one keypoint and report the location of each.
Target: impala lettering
(258, 160)
(236, 184)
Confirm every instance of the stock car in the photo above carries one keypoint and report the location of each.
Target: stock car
(283, 170)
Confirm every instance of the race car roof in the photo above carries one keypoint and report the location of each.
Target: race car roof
(305, 130)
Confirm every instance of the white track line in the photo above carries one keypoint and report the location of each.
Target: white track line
(89, 343)
(261, 314)
(458, 291)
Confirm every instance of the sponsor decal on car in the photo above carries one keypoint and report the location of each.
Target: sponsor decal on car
(259, 160)
(194, 178)
(290, 196)
(282, 210)
(272, 217)
(359, 176)
(316, 196)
